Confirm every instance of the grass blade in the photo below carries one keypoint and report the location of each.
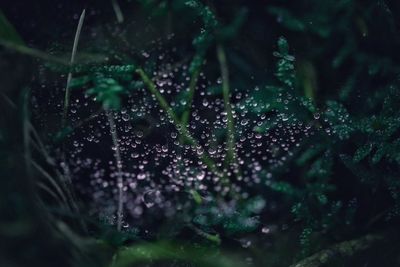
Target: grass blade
(231, 151)
(69, 78)
(117, 11)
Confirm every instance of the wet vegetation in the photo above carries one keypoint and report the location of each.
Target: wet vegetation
(200, 133)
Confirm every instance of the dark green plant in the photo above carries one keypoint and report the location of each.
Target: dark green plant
(325, 110)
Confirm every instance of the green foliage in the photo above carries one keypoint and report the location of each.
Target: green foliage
(106, 91)
(314, 201)
(242, 219)
(206, 36)
(285, 65)
(333, 95)
(164, 252)
(211, 31)
(105, 84)
(8, 32)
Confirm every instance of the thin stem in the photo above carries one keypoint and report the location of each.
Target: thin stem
(26, 133)
(29, 128)
(186, 114)
(181, 129)
(69, 78)
(215, 238)
(67, 93)
(50, 179)
(343, 249)
(32, 52)
(161, 100)
(192, 87)
(117, 11)
(67, 171)
(86, 120)
(231, 151)
(118, 159)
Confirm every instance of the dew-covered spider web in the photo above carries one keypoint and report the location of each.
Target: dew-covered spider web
(135, 159)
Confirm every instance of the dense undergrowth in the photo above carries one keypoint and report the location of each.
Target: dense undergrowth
(201, 133)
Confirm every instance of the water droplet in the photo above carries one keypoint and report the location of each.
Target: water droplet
(212, 151)
(244, 122)
(265, 230)
(200, 176)
(245, 243)
(141, 176)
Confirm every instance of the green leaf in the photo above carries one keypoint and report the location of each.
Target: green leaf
(8, 32)
(322, 167)
(215, 90)
(61, 135)
(79, 82)
(254, 205)
(285, 188)
(309, 154)
(285, 70)
(288, 19)
(196, 196)
(112, 101)
(365, 175)
(231, 30)
(239, 223)
(380, 152)
(283, 46)
(362, 152)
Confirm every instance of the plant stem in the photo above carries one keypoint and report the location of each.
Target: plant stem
(69, 78)
(192, 87)
(161, 100)
(26, 132)
(38, 145)
(67, 171)
(343, 249)
(231, 151)
(118, 159)
(186, 114)
(215, 238)
(86, 120)
(32, 52)
(59, 191)
(117, 11)
(181, 129)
